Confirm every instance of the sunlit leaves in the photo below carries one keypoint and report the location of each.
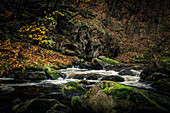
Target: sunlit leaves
(35, 32)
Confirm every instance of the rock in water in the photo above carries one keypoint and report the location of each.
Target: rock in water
(114, 78)
(127, 72)
(30, 75)
(111, 97)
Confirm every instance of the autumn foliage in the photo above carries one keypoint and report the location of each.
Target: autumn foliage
(20, 55)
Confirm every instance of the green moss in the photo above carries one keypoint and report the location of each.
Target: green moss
(106, 89)
(166, 59)
(74, 99)
(117, 90)
(109, 60)
(121, 92)
(85, 96)
(16, 107)
(73, 87)
(47, 65)
(54, 74)
(36, 67)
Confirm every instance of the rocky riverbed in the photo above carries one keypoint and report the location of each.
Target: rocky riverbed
(80, 90)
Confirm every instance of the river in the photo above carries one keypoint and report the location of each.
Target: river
(26, 90)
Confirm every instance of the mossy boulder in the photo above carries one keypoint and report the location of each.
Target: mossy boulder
(99, 64)
(52, 73)
(41, 106)
(103, 62)
(111, 97)
(108, 60)
(70, 89)
(30, 75)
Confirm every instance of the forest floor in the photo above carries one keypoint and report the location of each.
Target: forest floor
(18, 54)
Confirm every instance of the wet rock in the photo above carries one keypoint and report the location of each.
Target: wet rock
(127, 72)
(117, 70)
(93, 76)
(114, 78)
(86, 65)
(77, 76)
(41, 106)
(6, 89)
(73, 89)
(99, 64)
(27, 75)
(111, 97)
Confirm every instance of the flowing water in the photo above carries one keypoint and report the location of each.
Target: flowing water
(26, 90)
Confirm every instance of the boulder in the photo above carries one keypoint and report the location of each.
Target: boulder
(99, 64)
(30, 75)
(70, 89)
(114, 78)
(111, 97)
(6, 89)
(127, 72)
(77, 76)
(41, 106)
(52, 73)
